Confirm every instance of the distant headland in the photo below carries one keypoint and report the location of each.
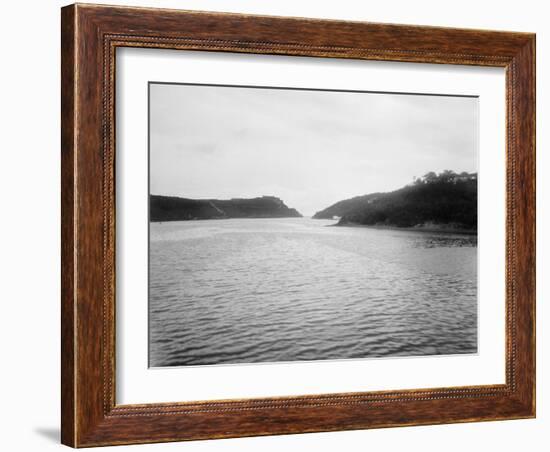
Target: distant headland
(169, 208)
(445, 201)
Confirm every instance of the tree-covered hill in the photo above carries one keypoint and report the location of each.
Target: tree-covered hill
(169, 208)
(340, 208)
(447, 199)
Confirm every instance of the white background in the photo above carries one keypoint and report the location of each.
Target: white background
(30, 225)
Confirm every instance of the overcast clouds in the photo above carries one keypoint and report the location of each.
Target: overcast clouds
(309, 148)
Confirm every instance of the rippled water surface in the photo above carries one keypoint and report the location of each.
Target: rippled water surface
(266, 290)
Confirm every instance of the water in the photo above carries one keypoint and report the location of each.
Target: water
(268, 290)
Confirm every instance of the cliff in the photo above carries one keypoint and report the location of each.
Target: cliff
(448, 200)
(168, 208)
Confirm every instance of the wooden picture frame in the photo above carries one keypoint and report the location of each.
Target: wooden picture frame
(90, 36)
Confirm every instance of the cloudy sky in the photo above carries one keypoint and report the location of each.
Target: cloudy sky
(309, 148)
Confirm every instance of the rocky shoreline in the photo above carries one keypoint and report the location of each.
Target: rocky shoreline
(439, 228)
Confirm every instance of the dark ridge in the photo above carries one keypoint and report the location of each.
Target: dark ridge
(169, 208)
(447, 199)
(342, 207)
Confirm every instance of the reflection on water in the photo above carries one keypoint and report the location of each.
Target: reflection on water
(267, 290)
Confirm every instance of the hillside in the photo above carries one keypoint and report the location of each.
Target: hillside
(347, 205)
(168, 208)
(446, 200)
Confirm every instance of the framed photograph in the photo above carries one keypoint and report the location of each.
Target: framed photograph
(280, 225)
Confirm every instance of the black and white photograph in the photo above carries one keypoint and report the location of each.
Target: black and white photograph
(302, 225)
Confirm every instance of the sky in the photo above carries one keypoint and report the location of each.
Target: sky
(309, 148)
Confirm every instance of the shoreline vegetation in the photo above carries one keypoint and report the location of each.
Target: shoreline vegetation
(445, 202)
(171, 208)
